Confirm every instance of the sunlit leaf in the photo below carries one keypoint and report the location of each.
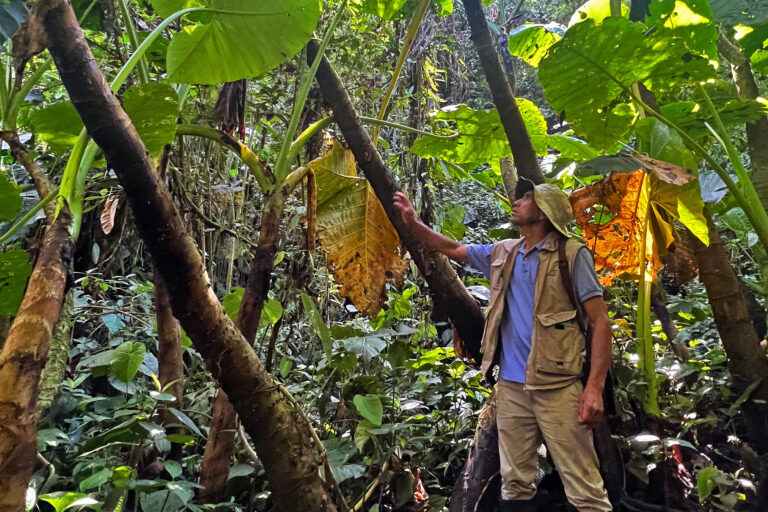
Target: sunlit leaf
(362, 245)
(153, 109)
(706, 481)
(595, 10)
(572, 148)
(15, 270)
(687, 20)
(531, 42)
(247, 41)
(588, 73)
(481, 138)
(387, 9)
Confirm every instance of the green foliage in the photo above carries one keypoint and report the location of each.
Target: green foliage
(481, 137)
(318, 324)
(587, 75)
(127, 359)
(453, 222)
(531, 42)
(12, 15)
(595, 10)
(242, 40)
(14, 273)
(370, 408)
(153, 109)
(687, 20)
(61, 501)
(10, 198)
(59, 125)
(734, 12)
(387, 9)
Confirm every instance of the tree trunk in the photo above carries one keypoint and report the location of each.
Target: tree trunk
(444, 285)
(58, 355)
(221, 436)
(22, 360)
(284, 443)
(39, 179)
(169, 358)
(526, 161)
(746, 360)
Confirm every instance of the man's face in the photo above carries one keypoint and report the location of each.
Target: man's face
(525, 212)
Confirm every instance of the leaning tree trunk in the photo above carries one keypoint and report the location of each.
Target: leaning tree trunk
(221, 435)
(283, 442)
(169, 358)
(746, 360)
(526, 161)
(22, 360)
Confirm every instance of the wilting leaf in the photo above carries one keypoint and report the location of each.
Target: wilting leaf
(531, 42)
(107, 217)
(613, 214)
(363, 247)
(153, 109)
(10, 198)
(735, 12)
(12, 14)
(14, 273)
(370, 408)
(481, 138)
(249, 41)
(587, 73)
(59, 125)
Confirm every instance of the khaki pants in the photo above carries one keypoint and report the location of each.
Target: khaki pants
(525, 418)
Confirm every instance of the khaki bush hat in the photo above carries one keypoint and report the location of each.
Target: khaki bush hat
(555, 205)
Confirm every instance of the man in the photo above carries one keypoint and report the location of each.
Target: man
(539, 391)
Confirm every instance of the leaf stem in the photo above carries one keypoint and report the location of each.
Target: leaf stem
(282, 167)
(131, 30)
(375, 121)
(410, 37)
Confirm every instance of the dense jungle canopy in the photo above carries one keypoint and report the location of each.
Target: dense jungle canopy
(208, 300)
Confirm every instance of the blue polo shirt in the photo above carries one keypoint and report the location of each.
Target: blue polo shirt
(517, 320)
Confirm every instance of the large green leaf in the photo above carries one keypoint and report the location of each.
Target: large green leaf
(531, 42)
(453, 221)
(663, 143)
(153, 109)
(250, 39)
(58, 124)
(572, 148)
(367, 347)
(387, 9)
(14, 273)
(588, 73)
(127, 359)
(688, 20)
(10, 198)
(12, 14)
(370, 408)
(481, 137)
(735, 12)
(595, 10)
(692, 116)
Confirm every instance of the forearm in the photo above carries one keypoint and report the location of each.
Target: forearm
(600, 361)
(439, 242)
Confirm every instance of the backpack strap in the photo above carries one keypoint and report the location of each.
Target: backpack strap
(567, 280)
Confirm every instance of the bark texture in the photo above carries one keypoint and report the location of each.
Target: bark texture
(58, 355)
(446, 289)
(284, 444)
(746, 360)
(526, 161)
(221, 436)
(169, 357)
(39, 179)
(22, 360)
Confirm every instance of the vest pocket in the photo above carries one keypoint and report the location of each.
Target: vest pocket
(558, 343)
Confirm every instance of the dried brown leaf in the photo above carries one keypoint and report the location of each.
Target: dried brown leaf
(107, 217)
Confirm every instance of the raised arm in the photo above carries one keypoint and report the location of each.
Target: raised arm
(440, 243)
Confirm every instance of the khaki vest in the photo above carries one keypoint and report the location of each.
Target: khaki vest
(557, 344)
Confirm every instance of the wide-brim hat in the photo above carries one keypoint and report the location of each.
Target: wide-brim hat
(555, 205)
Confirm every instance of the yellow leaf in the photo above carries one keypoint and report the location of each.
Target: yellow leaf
(363, 248)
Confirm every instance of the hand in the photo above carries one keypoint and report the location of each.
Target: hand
(590, 406)
(407, 212)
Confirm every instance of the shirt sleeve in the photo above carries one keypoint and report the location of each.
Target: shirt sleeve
(584, 276)
(479, 257)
